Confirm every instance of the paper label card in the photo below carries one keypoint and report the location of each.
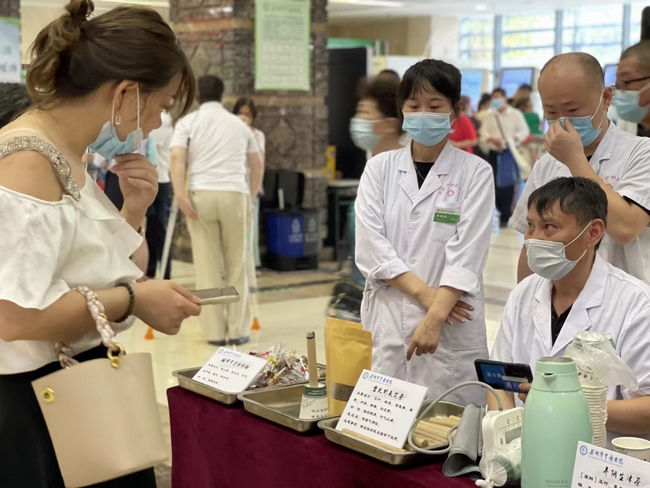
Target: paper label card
(382, 408)
(596, 467)
(230, 371)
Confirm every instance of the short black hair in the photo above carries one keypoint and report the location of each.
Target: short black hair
(485, 98)
(14, 100)
(500, 91)
(210, 89)
(525, 86)
(443, 77)
(389, 75)
(245, 102)
(384, 93)
(641, 51)
(580, 197)
(522, 103)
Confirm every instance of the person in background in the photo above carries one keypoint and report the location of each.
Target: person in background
(246, 110)
(225, 174)
(631, 96)
(375, 128)
(575, 290)
(389, 75)
(466, 100)
(503, 127)
(532, 119)
(463, 133)
(524, 92)
(423, 220)
(581, 141)
(158, 213)
(483, 108)
(58, 231)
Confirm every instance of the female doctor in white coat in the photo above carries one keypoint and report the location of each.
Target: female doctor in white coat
(423, 219)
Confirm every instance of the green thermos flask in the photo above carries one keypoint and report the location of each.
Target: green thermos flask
(556, 418)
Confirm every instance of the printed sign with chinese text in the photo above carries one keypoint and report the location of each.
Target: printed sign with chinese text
(382, 408)
(230, 371)
(596, 467)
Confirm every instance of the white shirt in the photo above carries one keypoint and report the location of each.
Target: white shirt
(260, 139)
(612, 302)
(48, 248)
(218, 143)
(513, 125)
(396, 232)
(623, 162)
(162, 137)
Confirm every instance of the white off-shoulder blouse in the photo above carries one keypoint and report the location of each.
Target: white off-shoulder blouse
(48, 248)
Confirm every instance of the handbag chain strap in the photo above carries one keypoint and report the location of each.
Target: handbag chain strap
(96, 308)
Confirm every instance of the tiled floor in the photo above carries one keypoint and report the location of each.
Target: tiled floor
(292, 304)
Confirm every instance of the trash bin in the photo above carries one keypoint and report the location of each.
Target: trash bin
(292, 239)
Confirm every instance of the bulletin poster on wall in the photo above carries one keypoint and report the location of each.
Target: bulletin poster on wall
(282, 36)
(10, 66)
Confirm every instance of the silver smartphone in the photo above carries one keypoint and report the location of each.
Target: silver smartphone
(217, 296)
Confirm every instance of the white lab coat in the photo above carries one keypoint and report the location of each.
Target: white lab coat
(612, 302)
(396, 233)
(622, 160)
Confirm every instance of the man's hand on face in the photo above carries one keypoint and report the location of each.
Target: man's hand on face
(565, 145)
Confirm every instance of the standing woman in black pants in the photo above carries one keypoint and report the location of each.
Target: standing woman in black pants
(100, 82)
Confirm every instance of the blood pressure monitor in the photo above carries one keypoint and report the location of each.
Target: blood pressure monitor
(501, 428)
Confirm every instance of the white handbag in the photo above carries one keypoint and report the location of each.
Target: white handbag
(102, 414)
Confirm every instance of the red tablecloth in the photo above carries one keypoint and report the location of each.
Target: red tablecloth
(214, 446)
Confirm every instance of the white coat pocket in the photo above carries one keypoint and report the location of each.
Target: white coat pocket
(445, 221)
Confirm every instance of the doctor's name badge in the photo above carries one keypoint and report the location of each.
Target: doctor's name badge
(446, 216)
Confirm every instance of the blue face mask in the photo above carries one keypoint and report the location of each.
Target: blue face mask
(427, 128)
(497, 103)
(108, 144)
(362, 133)
(627, 104)
(584, 126)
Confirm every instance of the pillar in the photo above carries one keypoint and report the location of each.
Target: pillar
(218, 37)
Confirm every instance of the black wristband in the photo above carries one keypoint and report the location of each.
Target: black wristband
(129, 312)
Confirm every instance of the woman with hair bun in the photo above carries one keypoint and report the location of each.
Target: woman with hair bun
(99, 82)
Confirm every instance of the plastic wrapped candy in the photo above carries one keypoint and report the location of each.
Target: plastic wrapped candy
(283, 368)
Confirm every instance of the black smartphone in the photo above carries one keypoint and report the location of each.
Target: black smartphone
(503, 376)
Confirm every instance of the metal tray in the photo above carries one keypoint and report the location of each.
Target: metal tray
(280, 406)
(186, 381)
(408, 458)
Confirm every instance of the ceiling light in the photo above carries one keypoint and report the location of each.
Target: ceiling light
(370, 3)
(481, 7)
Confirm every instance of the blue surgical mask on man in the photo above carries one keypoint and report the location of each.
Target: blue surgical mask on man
(584, 126)
(108, 144)
(497, 103)
(363, 134)
(427, 128)
(627, 104)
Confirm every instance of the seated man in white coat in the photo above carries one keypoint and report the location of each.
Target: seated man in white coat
(574, 289)
(581, 141)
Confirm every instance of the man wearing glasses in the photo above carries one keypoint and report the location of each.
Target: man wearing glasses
(632, 92)
(582, 142)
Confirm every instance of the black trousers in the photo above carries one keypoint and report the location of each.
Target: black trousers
(27, 458)
(157, 220)
(504, 199)
(504, 196)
